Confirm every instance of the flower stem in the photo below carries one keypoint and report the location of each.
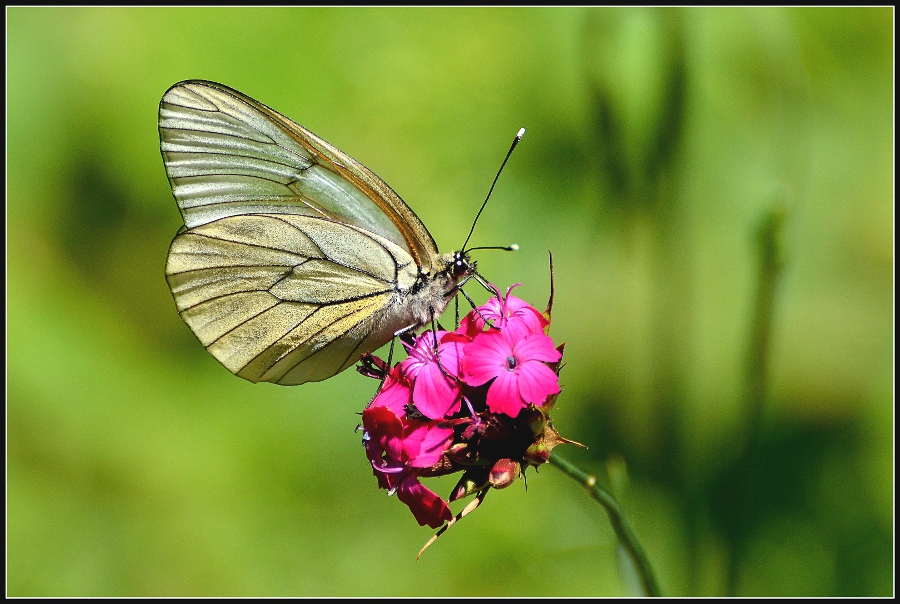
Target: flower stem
(617, 518)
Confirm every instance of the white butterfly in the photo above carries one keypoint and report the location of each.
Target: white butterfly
(295, 258)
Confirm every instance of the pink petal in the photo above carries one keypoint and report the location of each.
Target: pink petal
(503, 395)
(491, 310)
(385, 432)
(536, 347)
(485, 358)
(524, 319)
(422, 354)
(451, 351)
(516, 329)
(536, 382)
(395, 394)
(427, 507)
(469, 326)
(517, 306)
(434, 394)
(425, 442)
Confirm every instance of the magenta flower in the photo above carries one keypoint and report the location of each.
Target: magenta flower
(393, 443)
(517, 368)
(400, 450)
(435, 394)
(500, 363)
(513, 315)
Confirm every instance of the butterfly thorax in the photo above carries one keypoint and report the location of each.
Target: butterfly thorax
(432, 291)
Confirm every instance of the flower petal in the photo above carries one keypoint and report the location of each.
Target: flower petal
(422, 353)
(425, 442)
(384, 433)
(536, 347)
(503, 395)
(395, 394)
(434, 394)
(451, 352)
(523, 319)
(536, 382)
(427, 507)
(485, 358)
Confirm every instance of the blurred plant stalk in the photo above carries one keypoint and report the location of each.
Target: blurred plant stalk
(638, 75)
(770, 259)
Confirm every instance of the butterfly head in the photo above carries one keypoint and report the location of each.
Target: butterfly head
(461, 265)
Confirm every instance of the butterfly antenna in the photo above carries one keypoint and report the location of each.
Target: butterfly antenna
(506, 248)
(515, 142)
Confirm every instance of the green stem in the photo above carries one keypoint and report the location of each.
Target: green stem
(770, 256)
(771, 261)
(617, 518)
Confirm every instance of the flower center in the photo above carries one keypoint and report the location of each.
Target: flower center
(510, 362)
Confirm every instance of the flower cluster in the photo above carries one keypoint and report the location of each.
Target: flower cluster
(474, 400)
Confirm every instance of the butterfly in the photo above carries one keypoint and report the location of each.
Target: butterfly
(294, 258)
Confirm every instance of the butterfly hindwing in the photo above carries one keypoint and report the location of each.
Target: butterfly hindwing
(265, 291)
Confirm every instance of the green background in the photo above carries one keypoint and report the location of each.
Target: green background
(658, 141)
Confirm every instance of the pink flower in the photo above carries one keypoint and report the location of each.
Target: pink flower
(516, 366)
(499, 361)
(399, 450)
(434, 393)
(511, 314)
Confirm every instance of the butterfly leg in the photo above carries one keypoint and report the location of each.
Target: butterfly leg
(437, 350)
(475, 308)
(386, 368)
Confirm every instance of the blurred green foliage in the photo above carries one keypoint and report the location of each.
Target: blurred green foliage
(750, 462)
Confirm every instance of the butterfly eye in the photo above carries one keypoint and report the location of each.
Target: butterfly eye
(461, 264)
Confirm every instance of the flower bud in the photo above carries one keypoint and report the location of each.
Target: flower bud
(461, 453)
(537, 453)
(504, 473)
(472, 481)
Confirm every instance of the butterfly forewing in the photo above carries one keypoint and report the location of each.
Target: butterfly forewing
(296, 259)
(227, 154)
